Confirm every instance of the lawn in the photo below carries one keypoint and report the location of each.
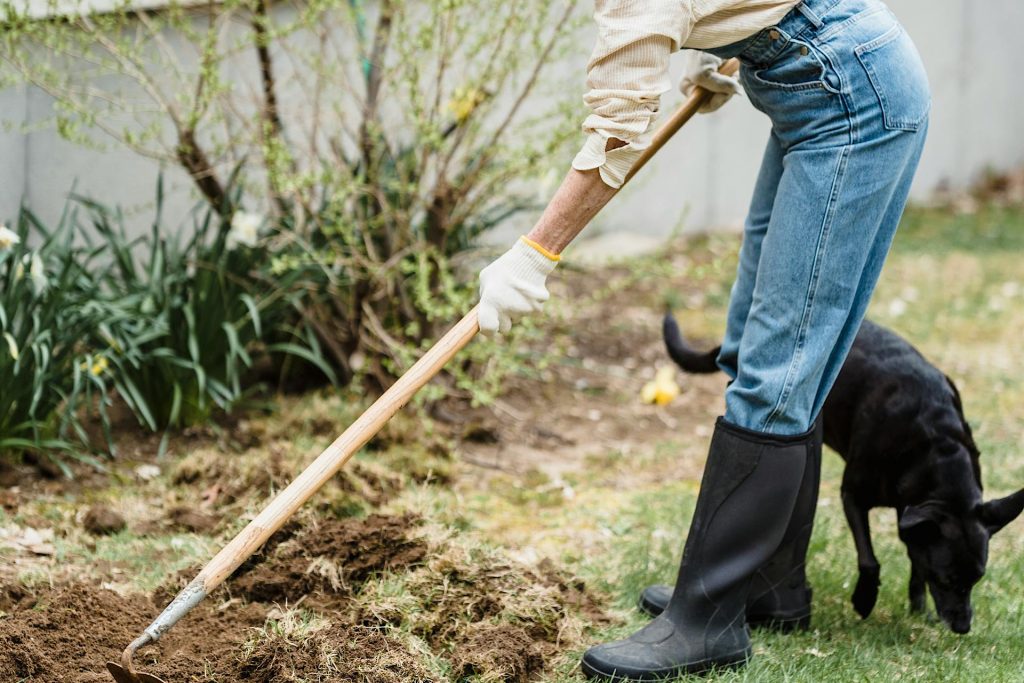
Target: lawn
(496, 544)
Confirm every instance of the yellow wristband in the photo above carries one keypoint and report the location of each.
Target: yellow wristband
(542, 250)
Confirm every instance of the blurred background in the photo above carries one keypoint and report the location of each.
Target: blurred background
(700, 183)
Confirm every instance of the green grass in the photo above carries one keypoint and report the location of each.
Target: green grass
(954, 286)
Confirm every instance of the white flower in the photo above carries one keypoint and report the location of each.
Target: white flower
(8, 238)
(897, 307)
(12, 345)
(245, 229)
(37, 272)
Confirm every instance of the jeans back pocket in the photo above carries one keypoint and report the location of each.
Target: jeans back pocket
(898, 78)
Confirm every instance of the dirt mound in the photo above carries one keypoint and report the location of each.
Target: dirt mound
(67, 634)
(227, 483)
(102, 521)
(330, 559)
(376, 600)
(498, 651)
(336, 654)
(186, 519)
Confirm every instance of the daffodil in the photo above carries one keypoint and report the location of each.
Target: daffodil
(663, 389)
(8, 238)
(12, 345)
(99, 366)
(37, 272)
(245, 229)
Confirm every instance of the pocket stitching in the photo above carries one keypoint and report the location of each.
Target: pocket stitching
(892, 122)
(818, 84)
(881, 41)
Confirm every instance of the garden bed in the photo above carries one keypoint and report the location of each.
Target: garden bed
(319, 603)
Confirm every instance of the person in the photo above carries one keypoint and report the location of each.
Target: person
(848, 100)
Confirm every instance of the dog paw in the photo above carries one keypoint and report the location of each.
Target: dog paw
(865, 594)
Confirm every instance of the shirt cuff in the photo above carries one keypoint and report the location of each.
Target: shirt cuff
(614, 164)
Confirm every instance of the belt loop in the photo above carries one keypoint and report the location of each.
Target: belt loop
(811, 16)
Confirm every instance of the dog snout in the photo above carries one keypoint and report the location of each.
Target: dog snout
(960, 625)
(959, 622)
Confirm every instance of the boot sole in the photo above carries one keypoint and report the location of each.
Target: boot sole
(779, 624)
(725, 663)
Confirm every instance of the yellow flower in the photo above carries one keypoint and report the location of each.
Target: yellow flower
(663, 389)
(99, 366)
(12, 345)
(465, 101)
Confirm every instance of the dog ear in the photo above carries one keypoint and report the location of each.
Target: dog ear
(995, 514)
(919, 523)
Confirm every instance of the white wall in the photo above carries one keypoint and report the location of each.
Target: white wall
(970, 49)
(701, 180)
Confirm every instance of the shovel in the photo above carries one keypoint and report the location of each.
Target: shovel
(334, 457)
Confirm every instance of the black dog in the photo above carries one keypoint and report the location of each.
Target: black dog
(899, 424)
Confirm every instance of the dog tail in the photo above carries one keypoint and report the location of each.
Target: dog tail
(690, 360)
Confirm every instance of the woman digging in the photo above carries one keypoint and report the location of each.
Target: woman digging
(848, 99)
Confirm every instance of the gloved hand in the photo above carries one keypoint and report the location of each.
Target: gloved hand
(702, 70)
(514, 283)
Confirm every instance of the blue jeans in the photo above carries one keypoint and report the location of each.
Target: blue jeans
(848, 99)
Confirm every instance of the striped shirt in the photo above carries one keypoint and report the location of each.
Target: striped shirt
(628, 69)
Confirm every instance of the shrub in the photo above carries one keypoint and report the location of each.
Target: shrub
(186, 320)
(46, 312)
(385, 141)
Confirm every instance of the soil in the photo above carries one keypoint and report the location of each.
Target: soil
(505, 652)
(351, 653)
(102, 521)
(67, 633)
(325, 562)
(187, 519)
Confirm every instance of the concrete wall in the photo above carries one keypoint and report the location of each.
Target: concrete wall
(702, 180)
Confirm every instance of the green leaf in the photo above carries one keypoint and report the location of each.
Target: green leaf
(306, 354)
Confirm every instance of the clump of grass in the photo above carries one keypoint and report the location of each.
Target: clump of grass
(300, 646)
(463, 583)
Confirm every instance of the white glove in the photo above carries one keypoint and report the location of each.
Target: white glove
(702, 70)
(514, 283)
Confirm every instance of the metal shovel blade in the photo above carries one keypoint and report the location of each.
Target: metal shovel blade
(122, 675)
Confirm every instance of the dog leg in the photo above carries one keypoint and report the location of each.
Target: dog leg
(917, 587)
(866, 592)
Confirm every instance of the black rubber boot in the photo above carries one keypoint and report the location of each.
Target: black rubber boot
(780, 596)
(750, 485)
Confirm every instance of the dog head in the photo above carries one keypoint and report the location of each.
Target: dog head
(952, 550)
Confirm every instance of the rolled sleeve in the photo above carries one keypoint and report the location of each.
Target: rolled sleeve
(626, 76)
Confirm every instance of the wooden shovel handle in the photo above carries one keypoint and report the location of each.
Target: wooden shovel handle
(685, 112)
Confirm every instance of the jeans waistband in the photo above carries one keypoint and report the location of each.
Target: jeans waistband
(763, 47)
